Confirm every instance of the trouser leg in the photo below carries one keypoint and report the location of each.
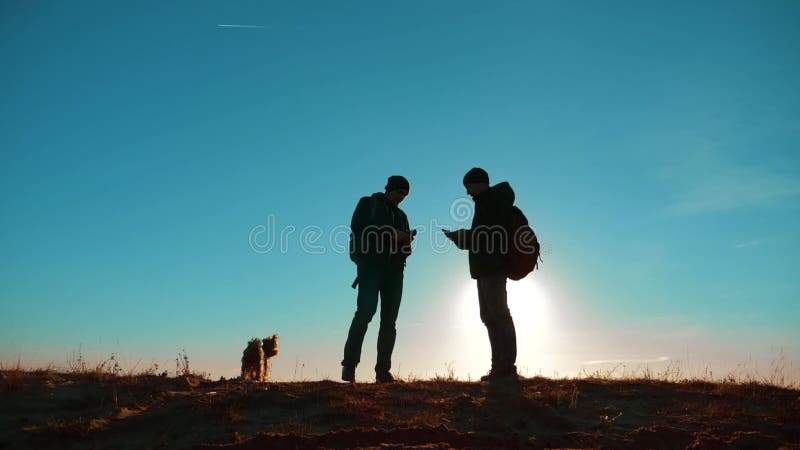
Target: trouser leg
(491, 329)
(391, 293)
(495, 314)
(367, 304)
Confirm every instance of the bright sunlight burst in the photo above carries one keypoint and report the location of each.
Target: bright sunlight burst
(530, 308)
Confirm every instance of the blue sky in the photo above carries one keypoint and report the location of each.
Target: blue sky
(653, 146)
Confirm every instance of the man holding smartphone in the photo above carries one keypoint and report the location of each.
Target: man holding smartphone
(488, 243)
(380, 242)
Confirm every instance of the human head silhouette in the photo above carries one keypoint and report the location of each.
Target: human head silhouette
(397, 188)
(476, 181)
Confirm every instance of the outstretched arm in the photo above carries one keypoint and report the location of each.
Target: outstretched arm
(462, 238)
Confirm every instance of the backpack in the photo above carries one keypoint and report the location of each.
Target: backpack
(524, 251)
(354, 250)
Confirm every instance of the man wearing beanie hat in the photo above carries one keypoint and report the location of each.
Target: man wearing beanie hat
(487, 242)
(380, 242)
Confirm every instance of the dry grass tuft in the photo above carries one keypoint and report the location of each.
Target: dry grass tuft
(103, 370)
(16, 377)
(449, 373)
(744, 374)
(12, 378)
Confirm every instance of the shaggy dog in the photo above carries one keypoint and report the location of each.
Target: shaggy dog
(255, 358)
(270, 346)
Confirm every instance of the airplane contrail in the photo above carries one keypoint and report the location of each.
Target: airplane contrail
(228, 25)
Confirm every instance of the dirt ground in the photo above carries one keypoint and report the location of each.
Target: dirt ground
(51, 410)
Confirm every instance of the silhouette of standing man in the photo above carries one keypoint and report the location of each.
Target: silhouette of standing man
(380, 242)
(487, 241)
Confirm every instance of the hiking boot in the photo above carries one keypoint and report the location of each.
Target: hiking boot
(384, 377)
(489, 376)
(495, 375)
(349, 374)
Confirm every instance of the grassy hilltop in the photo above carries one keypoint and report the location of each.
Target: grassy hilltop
(102, 409)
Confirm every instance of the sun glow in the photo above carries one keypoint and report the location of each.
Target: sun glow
(530, 305)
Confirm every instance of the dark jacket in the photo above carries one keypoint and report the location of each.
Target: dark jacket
(487, 240)
(373, 239)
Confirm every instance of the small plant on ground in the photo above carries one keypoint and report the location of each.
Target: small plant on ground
(182, 364)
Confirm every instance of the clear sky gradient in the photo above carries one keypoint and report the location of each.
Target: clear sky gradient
(654, 146)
